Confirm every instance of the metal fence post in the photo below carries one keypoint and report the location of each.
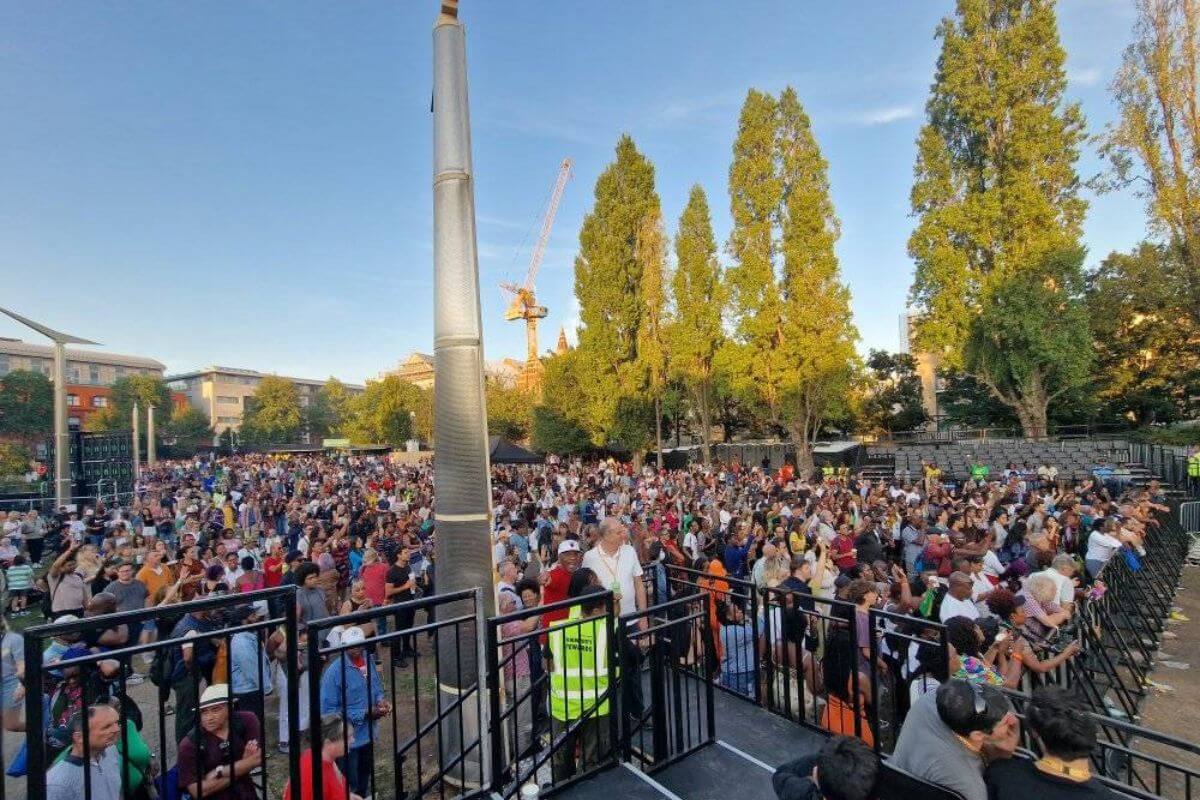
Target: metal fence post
(35, 724)
(292, 664)
(491, 738)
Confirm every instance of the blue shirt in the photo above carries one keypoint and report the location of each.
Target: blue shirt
(738, 643)
(735, 559)
(341, 676)
(244, 659)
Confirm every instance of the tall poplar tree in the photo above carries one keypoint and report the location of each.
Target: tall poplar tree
(754, 359)
(1156, 141)
(818, 332)
(996, 192)
(696, 334)
(608, 284)
(652, 342)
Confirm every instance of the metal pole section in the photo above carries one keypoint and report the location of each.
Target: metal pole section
(151, 448)
(137, 454)
(62, 438)
(461, 480)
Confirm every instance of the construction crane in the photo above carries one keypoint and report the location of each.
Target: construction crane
(524, 297)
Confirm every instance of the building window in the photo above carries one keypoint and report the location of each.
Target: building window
(229, 420)
(99, 401)
(72, 399)
(72, 372)
(94, 374)
(221, 398)
(120, 372)
(4, 364)
(47, 367)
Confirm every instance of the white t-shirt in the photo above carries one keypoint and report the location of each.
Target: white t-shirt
(690, 545)
(1066, 587)
(616, 572)
(953, 607)
(1101, 547)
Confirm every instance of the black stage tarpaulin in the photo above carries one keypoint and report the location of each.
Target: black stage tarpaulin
(505, 452)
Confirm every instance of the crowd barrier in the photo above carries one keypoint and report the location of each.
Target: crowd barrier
(652, 676)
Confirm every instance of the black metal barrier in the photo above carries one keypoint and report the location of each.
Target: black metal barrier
(677, 642)
(909, 657)
(1123, 763)
(84, 701)
(444, 744)
(555, 683)
(733, 618)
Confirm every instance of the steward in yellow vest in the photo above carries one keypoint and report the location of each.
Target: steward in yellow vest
(579, 685)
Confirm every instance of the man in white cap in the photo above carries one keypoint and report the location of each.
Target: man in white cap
(556, 581)
(352, 689)
(216, 760)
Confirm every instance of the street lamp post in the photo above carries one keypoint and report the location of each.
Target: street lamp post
(62, 441)
(151, 449)
(137, 450)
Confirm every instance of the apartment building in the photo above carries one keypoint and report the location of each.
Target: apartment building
(90, 373)
(221, 392)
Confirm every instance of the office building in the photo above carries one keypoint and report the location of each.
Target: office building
(221, 392)
(90, 373)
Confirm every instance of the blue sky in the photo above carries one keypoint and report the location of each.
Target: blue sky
(247, 183)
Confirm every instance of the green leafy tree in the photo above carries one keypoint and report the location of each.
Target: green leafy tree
(1031, 344)
(26, 405)
(391, 411)
(817, 332)
(145, 390)
(695, 336)
(608, 284)
(1147, 344)
(327, 413)
(1155, 143)
(893, 401)
(964, 402)
(996, 192)
(653, 348)
(554, 433)
(272, 415)
(187, 430)
(508, 409)
(753, 358)
(14, 459)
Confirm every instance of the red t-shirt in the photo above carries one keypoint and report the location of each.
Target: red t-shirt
(373, 577)
(333, 783)
(553, 592)
(272, 571)
(842, 545)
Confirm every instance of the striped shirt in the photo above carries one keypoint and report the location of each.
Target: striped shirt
(19, 576)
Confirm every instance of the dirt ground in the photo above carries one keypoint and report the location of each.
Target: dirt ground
(1177, 712)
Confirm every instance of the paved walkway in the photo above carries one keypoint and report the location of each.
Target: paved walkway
(1177, 712)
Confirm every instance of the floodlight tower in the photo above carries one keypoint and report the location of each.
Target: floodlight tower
(62, 442)
(461, 477)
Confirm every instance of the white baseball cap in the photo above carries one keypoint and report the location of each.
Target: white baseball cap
(568, 546)
(353, 636)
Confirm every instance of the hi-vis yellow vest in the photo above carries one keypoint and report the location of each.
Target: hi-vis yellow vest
(1194, 466)
(827, 471)
(580, 674)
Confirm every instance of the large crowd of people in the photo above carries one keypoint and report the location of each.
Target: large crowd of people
(999, 560)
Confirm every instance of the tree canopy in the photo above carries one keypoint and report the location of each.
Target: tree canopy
(26, 404)
(272, 415)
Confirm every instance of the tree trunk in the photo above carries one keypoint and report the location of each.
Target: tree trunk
(705, 423)
(804, 456)
(1032, 414)
(658, 430)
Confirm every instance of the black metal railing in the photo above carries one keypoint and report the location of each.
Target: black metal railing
(398, 726)
(675, 641)
(535, 696)
(89, 675)
(733, 615)
(910, 657)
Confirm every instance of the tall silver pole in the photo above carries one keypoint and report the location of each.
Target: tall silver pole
(137, 453)
(461, 479)
(151, 447)
(62, 438)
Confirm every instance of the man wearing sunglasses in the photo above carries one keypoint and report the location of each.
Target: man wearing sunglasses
(950, 735)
